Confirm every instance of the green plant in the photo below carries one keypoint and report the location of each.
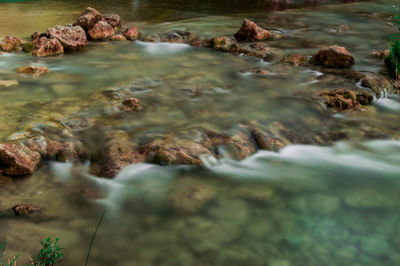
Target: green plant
(9, 262)
(93, 237)
(392, 61)
(50, 253)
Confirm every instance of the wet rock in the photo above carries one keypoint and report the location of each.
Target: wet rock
(175, 36)
(88, 18)
(333, 56)
(315, 203)
(38, 144)
(201, 43)
(71, 38)
(62, 151)
(225, 44)
(259, 193)
(381, 53)
(17, 160)
(251, 32)
(344, 99)
(36, 35)
(377, 83)
(296, 60)
(190, 196)
(117, 37)
(25, 209)
(33, 70)
(269, 138)
(368, 199)
(165, 151)
(259, 71)
(114, 20)
(118, 153)
(101, 30)
(131, 33)
(257, 50)
(47, 47)
(342, 28)
(10, 44)
(8, 83)
(131, 104)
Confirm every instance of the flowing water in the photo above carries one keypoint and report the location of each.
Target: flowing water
(303, 205)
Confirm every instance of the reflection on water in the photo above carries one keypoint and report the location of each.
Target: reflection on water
(305, 205)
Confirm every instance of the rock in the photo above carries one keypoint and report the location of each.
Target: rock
(201, 43)
(25, 209)
(131, 33)
(225, 44)
(8, 83)
(117, 37)
(88, 18)
(190, 196)
(114, 20)
(259, 71)
(36, 35)
(381, 53)
(333, 56)
(296, 60)
(344, 99)
(131, 104)
(315, 203)
(101, 30)
(10, 43)
(62, 151)
(33, 70)
(47, 47)
(17, 160)
(165, 151)
(257, 50)
(267, 140)
(71, 38)
(38, 144)
(377, 83)
(176, 36)
(369, 199)
(251, 32)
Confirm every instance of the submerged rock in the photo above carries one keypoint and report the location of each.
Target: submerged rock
(296, 60)
(88, 18)
(71, 38)
(333, 56)
(251, 32)
(17, 160)
(33, 70)
(131, 104)
(344, 99)
(117, 37)
(114, 20)
(10, 44)
(47, 47)
(131, 33)
(257, 50)
(377, 83)
(225, 44)
(176, 36)
(25, 209)
(8, 83)
(101, 30)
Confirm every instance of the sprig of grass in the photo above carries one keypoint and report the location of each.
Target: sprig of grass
(93, 237)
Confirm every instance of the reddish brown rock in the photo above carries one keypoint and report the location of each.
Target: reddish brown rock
(114, 20)
(333, 56)
(344, 99)
(381, 53)
(117, 37)
(296, 60)
(35, 35)
(33, 70)
(131, 104)
(25, 209)
(62, 151)
(88, 18)
(71, 38)
(259, 50)
(131, 33)
(101, 30)
(46, 47)
(17, 160)
(225, 44)
(175, 36)
(10, 43)
(251, 32)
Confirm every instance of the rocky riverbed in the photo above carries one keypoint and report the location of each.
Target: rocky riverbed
(204, 112)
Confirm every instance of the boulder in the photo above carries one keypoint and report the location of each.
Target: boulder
(101, 30)
(88, 18)
(344, 99)
(114, 20)
(251, 32)
(333, 56)
(62, 151)
(131, 33)
(25, 209)
(10, 43)
(47, 47)
(33, 70)
(117, 37)
(225, 44)
(36, 35)
(17, 160)
(296, 60)
(71, 38)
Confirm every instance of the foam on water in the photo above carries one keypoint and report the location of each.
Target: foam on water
(163, 47)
